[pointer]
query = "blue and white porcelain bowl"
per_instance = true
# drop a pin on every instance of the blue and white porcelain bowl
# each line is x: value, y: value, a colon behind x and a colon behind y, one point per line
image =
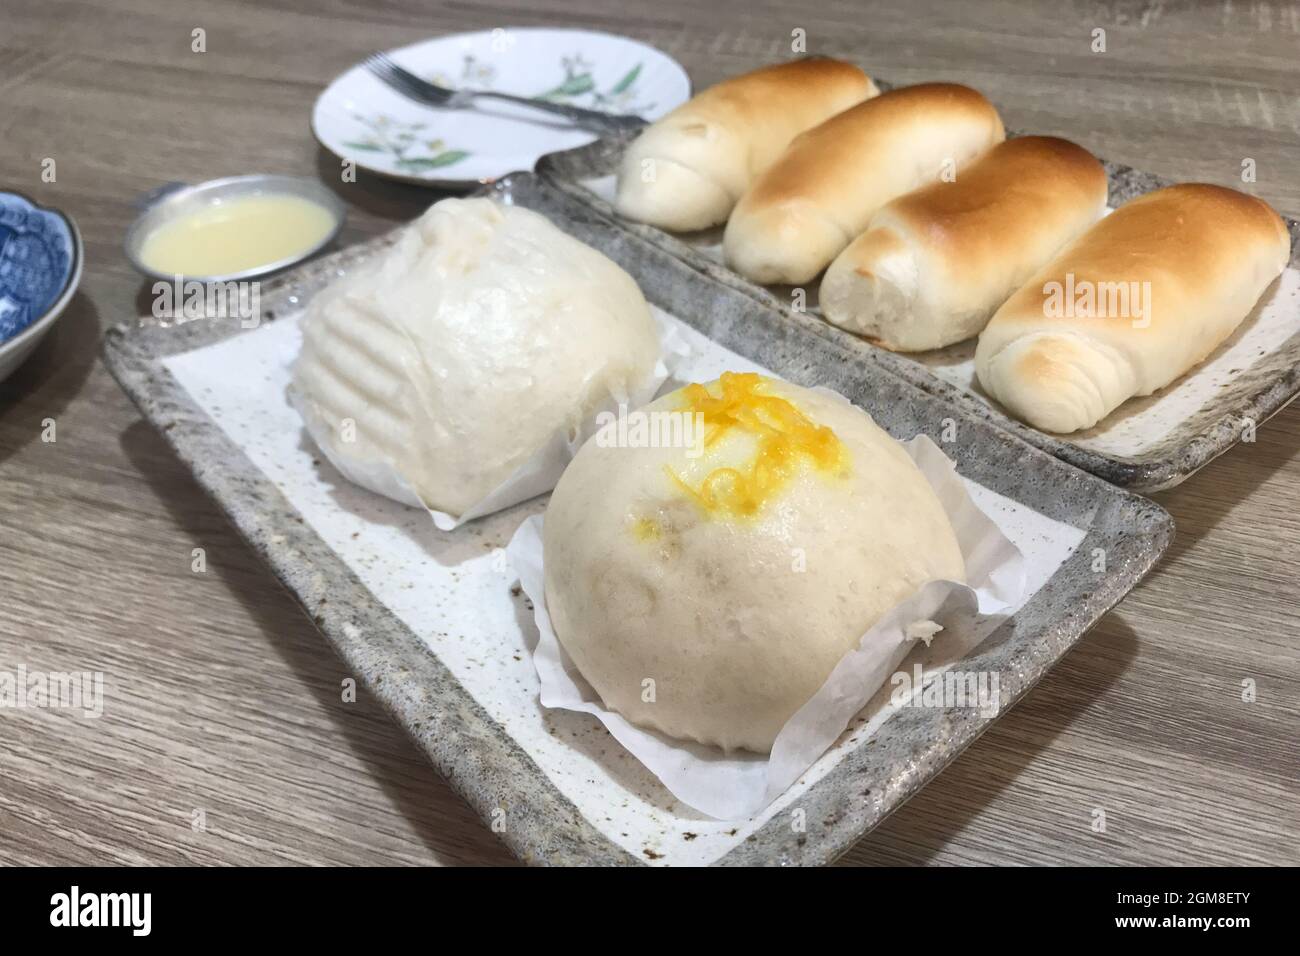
x: 40, y: 266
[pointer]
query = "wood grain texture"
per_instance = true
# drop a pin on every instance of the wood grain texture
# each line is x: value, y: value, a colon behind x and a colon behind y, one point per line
x: 221, y: 697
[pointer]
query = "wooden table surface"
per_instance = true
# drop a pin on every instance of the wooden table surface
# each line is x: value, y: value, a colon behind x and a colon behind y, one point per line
x: 222, y: 698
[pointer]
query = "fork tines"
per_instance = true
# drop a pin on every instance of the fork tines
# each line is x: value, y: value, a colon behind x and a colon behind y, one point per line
x: 403, y: 80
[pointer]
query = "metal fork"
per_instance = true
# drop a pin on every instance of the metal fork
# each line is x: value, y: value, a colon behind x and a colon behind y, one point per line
x: 430, y: 94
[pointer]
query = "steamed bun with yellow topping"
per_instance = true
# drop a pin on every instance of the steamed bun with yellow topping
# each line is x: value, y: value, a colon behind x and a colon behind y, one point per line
x: 734, y: 572
x: 453, y: 357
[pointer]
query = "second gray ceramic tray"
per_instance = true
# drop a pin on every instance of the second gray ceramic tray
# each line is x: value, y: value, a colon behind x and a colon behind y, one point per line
x: 561, y: 790
x: 1146, y: 445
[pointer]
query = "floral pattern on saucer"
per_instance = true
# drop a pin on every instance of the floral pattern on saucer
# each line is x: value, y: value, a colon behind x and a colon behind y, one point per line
x: 366, y: 123
x: 579, y: 88
x: 398, y: 139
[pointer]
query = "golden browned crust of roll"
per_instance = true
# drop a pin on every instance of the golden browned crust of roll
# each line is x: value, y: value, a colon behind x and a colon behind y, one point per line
x: 687, y: 170
x: 1187, y: 239
x: 1193, y: 261
x: 786, y: 94
x: 936, y: 263
x: 823, y: 161
x: 1000, y: 201
x: 824, y: 189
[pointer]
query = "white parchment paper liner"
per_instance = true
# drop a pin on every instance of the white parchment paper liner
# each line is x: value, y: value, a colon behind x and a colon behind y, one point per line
x: 739, y: 784
x: 534, y: 477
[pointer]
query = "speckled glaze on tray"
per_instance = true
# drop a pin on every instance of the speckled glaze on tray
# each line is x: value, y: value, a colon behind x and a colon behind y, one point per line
x: 1251, y: 397
x: 472, y: 750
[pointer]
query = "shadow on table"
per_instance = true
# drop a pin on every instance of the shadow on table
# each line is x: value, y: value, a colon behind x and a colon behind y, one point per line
x: 435, y: 812
x: 1212, y: 493
x: 379, y: 196
x: 923, y: 827
x: 51, y: 377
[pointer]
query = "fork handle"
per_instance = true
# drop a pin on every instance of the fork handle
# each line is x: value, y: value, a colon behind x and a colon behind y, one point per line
x: 593, y: 120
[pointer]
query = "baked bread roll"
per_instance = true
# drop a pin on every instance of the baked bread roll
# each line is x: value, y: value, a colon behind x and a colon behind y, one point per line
x: 935, y: 264
x: 1139, y: 299
x: 454, y: 356
x: 737, y: 579
x: 820, y: 195
x: 687, y: 170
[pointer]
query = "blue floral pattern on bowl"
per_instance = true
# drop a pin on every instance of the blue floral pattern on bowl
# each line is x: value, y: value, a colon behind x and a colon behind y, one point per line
x: 37, y: 258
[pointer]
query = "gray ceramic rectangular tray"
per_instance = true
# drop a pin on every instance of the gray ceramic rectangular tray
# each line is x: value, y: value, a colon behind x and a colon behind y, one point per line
x: 471, y: 749
x: 1220, y: 410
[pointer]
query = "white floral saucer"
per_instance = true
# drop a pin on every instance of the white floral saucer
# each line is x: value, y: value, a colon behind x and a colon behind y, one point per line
x: 360, y: 119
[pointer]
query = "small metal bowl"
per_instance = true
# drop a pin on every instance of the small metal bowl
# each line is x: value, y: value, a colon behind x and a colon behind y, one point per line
x: 175, y: 200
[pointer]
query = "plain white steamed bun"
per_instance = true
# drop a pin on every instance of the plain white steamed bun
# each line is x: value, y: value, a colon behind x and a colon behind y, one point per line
x: 453, y: 356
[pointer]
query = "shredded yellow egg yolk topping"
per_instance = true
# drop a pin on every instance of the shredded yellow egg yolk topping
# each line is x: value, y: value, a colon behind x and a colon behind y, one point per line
x: 786, y: 438
x: 646, y: 529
